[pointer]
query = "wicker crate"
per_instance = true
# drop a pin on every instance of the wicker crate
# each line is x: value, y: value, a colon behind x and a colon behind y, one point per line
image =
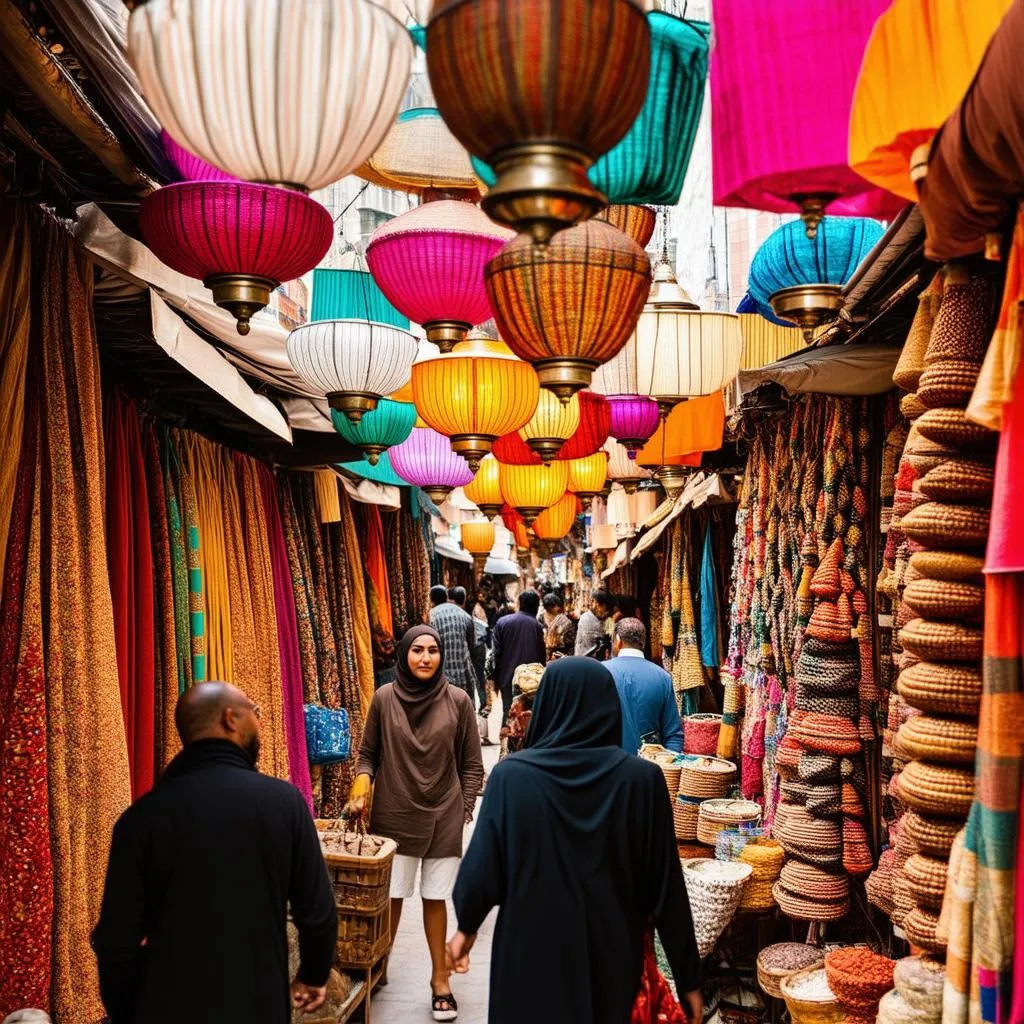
x: 361, y: 884
x: 363, y: 938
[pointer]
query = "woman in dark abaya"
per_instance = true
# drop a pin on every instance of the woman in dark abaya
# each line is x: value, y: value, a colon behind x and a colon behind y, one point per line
x: 575, y: 844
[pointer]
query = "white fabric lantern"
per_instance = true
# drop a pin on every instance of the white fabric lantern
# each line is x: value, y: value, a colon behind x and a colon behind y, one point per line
x: 352, y: 362
x: 415, y: 11
x: 289, y: 92
x: 621, y: 468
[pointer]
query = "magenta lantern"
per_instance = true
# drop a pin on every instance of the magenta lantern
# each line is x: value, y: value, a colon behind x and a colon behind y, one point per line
x: 426, y: 460
x: 241, y: 240
x: 782, y: 81
x: 189, y: 166
x: 634, y: 420
x: 430, y: 263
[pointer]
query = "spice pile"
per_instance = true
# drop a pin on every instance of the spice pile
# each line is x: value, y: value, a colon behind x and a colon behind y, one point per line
x: 859, y: 978
x: 353, y: 844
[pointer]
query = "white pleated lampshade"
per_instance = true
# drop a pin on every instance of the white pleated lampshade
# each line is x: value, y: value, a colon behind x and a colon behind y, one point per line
x: 621, y: 468
x: 416, y: 11
x: 288, y: 92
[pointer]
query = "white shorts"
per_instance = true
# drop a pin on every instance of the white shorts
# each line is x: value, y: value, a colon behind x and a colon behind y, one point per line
x: 437, y: 878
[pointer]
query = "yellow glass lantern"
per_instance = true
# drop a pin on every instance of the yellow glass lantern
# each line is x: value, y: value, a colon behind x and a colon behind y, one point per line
x: 587, y: 476
x: 531, y: 489
x: 555, y: 522
x: 485, y: 490
x: 474, y: 394
x: 551, y: 425
x: 478, y: 539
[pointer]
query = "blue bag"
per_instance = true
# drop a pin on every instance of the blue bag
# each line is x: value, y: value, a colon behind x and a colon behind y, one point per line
x: 328, y: 737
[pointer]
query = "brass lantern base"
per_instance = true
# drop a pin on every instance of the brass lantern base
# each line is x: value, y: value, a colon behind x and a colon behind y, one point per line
x: 812, y: 209
x: 542, y: 187
x: 630, y: 486
x: 479, y: 563
x: 545, y: 548
x: 446, y: 334
x: 353, y: 403
x: 808, y: 306
x: 665, y: 406
x: 587, y: 498
x: 564, y: 377
x: 437, y: 494
x: 672, y: 479
x: 472, y: 447
x: 546, y: 447
x: 242, y: 295
x: 490, y: 510
x: 530, y: 512
x: 373, y: 452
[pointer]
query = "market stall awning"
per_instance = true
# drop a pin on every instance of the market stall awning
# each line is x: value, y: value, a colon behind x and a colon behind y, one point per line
x: 844, y: 370
x: 500, y: 567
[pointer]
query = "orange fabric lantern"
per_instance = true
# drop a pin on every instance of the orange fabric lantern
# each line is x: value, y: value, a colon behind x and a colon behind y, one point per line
x: 551, y: 425
x: 636, y: 221
x: 485, y: 489
x: 474, y: 394
x: 477, y: 537
x: 531, y: 489
x: 514, y: 524
x: 587, y: 476
x: 555, y: 522
x: 692, y: 428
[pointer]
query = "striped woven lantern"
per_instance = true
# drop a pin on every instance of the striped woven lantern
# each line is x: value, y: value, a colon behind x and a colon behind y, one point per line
x: 507, y: 75
x: 589, y: 437
x: 766, y: 342
x: 484, y: 490
x: 555, y: 522
x: 531, y: 489
x: 623, y: 469
x: 389, y: 424
x: 425, y: 459
x: 571, y: 305
x: 636, y: 221
x: 551, y: 425
x: 478, y: 539
x: 588, y: 476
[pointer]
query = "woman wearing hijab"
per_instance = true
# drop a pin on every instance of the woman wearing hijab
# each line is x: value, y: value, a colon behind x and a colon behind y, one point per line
x: 575, y: 844
x: 421, y: 753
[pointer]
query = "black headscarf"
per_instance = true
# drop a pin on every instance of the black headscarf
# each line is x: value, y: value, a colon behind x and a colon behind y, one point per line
x: 418, y: 696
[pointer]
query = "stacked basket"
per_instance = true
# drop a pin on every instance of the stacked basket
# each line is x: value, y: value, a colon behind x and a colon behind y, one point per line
x: 700, y: 733
x: 859, y: 978
x: 916, y: 997
x: 778, y: 962
x: 943, y: 607
x: 716, y: 815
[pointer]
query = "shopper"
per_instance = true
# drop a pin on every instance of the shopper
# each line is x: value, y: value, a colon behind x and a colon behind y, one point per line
x: 592, y: 638
x: 649, y: 710
x: 202, y: 871
x: 518, y: 640
x: 420, y: 753
x: 560, y: 630
x: 458, y: 637
x: 575, y: 844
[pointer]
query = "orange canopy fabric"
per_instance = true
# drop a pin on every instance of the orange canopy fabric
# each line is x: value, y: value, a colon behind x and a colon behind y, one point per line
x: 919, y: 61
x: 692, y: 428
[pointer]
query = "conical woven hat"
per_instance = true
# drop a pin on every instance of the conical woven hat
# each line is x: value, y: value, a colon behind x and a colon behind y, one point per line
x: 911, y: 363
x: 963, y: 325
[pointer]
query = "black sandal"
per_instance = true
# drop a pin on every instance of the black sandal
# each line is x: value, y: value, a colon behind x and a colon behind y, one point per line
x: 444, y: 1007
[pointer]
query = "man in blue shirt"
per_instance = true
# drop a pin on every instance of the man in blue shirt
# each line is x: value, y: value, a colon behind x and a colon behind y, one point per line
x: 649, y: 711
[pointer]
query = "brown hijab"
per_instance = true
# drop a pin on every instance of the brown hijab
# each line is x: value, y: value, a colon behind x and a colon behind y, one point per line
x: 415, y: 695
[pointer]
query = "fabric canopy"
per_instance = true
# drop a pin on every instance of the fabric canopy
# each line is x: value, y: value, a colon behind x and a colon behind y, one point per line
x: 848, y: 370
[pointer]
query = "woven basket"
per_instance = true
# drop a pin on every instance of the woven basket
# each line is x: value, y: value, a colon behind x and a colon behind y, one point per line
x: 932, y: 836
x: 960, y: 482
x: 937, y: 790
x: 706, y: 778
x: 765, y: 857
x: 801, y: 908
x: 961, y: 327
x: 911, y: 406
x: 684, y: 816
x: 816, y: 840
x: 947, y: 527
x: 839, y: 706
x: 951, y: 428
x: 715, y: 889
x: 942, y: 641
x: 794, y: 791
x: 894, y: 1009
x: 806, y: 1011
x: 948, y: 565
x: 919, y: 980
x: 941, y: 689
x: 361, y: 884
x: 919, y: 926
x: 827, y: 734
x: 831, y: 622
x: 831, y: 674
x: 819, y: 768
x: 947, y: 741
x: 777, y: 962
x: 700, y: 733
x: 825, y: 801
x: 948, y: 382
x: 945, y: 599
x: 718, y: 814
x: 858, y: 977
x: 665, y: 760
x: 812, y: 882
x: 926, y: 879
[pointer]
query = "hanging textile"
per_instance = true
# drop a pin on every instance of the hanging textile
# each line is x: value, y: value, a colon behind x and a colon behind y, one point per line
x: 376, y: 566
x: 687, y: 671
x: 180, y: 576
x: 708, y: 604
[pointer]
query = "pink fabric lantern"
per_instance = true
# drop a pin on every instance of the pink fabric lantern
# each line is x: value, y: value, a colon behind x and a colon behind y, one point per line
x: 189, y: 166
x: 241, y: 240
x: 426, y: 459
x: 783, y: 74
x: 430, y: 263
x: 634, y: 420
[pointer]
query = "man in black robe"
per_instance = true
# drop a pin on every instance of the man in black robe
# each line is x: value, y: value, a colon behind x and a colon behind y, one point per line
x: 201, y: 875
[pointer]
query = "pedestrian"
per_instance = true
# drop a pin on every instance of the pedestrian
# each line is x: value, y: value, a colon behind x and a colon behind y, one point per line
x: 560, y: 630
x: 649, y: 710
x: 592, y: 639
x: 458, y: 637
x: 575, y: 844
x: 420, y: 754
x: 518, y: 640
x: 203, y: 870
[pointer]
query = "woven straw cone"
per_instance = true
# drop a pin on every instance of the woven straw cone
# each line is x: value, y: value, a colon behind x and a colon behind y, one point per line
x: 941, y: 689
x: 920, y: 980
x: 937, y: 790
x: 948, y: 382
x: 911, y: 406
x: 911, y: 362
x: 942, y: 641
x: 947, y: 527
x: 944, y: 740
x: 948, y: 565
x: 819, y: 767
x: 857, y: 859
x: 803, y: 909
x: 919, y: 926
x: 715, y: 889
x: 959, y: 481
x: 684, y: 815
x: 894, y: 1009
x: 961, y: 328
x: 945, y: 599
x: 807, y: 880
x: 926, y: 879
x: 951, y: 428
x: 851, y: 802
x: 774, y: 963
x: 831, y: 621
x: 932, y: 836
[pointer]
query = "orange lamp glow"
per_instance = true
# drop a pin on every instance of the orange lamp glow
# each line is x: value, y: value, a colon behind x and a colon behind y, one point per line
x: 485, y: 489
x: 587, y: 476
x: 551, y: 425
x: 555, y: 522
x: 531, y: 489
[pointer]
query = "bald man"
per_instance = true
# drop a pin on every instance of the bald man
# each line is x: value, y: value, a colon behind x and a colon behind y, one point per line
x: 203, y: 872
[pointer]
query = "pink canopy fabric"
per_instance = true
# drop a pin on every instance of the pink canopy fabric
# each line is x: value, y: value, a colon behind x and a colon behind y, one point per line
x: 782, y: 79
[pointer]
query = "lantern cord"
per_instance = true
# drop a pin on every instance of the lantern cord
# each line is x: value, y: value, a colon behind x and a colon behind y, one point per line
x: 364, y: 187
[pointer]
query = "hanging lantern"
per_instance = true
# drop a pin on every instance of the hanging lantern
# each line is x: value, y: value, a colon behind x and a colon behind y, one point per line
x: 782, y: 117
x: 274, y: 92
x: 766, y: 342
x: 381, y: 428
x: 802, y: 278
x: 351, y: 295
x: 587, y: 476
x: 691, y: 429
x: 555, y: 522
x: 622, y: 468
x: 381, y: 473
x: 516, y: 526
x: 484, y: 490
x: 917, y: 66
x: 590, y: 435
x: 188, y: 165
x: 531, y: 489
x: 508, y: 77
x: 352, y: 362
x: 672, y: 479
x: 569, y: 306
x: 551, y: 425
x: 478, y: 539
x: 629, y: 510
x: 426, y: 459
x: 474, y: 394
x: 240, y: 240
x: 430, y: 263
x: 748, y: 304
x: 634, y: 420
x: 636, y: 221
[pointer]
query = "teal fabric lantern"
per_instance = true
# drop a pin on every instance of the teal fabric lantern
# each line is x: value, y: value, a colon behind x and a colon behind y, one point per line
x: 352, y: 295
x: 649, y: 165
x: 381, y: 473
x: 389, y: 424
